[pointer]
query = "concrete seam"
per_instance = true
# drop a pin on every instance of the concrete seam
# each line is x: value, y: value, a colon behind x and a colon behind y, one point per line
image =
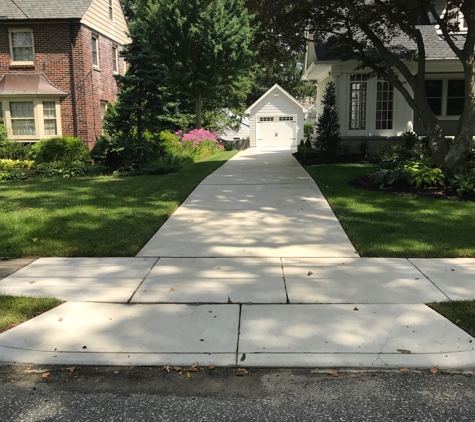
x: 438, y: 288
x: 140, y: 285
x: 238, y: 334
x: 285, y: 283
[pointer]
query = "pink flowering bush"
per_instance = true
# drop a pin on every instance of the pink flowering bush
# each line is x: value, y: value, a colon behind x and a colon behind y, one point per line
x: 196, y: 144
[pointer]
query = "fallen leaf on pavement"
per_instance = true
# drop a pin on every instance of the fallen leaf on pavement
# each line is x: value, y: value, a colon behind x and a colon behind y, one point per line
x: 404, y: 351
x: 212, y: 367
x: 362, y: 379
x: 356, y: 308
x: 309, y: 273
x: 241, y: 372
x: 188, y: 375
x: 116, y: 372
x: 167, y: 368
x: 334, y: 374
x: 229, y: 300
x: 458, y: 322
x: 435, y: 369
x: 72, y: 368
x: 45, y: 375
x: 32, y: 281
x: 60, y: 319
x: 177, y: 368
x: 404, y: 370
x: 171, y: 289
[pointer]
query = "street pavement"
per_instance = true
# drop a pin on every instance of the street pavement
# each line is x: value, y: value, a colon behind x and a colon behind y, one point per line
x: 253, y: 269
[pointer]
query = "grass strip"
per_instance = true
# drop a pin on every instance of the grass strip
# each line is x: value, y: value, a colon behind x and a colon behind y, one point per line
x: 93, y: 216
x: 381, y: 224
x: 17, y: 309
x: 460, y: 312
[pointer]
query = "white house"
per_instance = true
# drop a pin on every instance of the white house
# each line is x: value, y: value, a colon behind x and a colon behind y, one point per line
x: 370, y: 109
x: 276, y: 120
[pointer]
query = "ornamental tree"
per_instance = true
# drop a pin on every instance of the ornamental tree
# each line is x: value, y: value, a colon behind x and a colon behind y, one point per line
x: 328, y: 135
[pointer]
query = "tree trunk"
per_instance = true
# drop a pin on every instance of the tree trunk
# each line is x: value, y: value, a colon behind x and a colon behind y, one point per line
x: 456, y: 159
x: 438, y: 145
x: 198, y: 104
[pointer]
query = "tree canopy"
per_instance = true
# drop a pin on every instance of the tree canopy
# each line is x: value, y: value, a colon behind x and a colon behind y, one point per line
x: 205, y: 46
x: 366, y: 31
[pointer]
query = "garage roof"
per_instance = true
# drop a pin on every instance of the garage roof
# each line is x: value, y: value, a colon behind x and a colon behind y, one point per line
x: 277, y: 86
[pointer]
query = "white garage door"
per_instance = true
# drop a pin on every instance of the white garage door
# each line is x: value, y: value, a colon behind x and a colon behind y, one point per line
x: 276, y: 131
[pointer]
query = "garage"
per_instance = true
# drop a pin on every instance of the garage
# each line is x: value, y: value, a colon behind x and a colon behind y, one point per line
x: 276, y: 120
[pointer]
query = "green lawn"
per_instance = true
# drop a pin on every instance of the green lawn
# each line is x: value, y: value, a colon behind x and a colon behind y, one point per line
x: 15, y: 310
x: 387, y: 225
x: 92, y: 216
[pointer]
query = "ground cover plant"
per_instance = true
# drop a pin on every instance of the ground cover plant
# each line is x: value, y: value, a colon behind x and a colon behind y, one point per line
x: 17, y: 309
x: 388, y: 225
x: 93, y: 216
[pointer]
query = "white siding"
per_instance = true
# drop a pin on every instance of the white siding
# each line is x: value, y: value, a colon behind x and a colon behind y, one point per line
x: 97, y: 17
x: 252, y: 135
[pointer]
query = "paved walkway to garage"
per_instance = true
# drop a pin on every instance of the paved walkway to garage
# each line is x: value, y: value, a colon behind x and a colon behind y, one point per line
x: 253, y: 269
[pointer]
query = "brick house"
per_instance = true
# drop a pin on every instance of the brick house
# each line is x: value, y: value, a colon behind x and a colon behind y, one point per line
x: 57, y: 66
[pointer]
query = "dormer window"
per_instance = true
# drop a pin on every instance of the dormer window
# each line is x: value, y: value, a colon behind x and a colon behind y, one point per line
x: 21, y: 46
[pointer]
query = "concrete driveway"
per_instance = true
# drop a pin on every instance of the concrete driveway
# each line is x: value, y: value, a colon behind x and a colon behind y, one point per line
x: 253, y: 269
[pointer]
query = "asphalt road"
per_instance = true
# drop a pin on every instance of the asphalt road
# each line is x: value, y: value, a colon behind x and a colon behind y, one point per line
x: 153, y: 394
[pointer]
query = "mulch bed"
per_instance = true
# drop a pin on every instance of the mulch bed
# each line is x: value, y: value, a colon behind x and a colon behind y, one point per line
x: 365, y: 182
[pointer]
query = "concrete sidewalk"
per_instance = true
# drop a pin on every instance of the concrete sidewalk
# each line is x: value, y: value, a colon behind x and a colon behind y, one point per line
x: 253, y: 269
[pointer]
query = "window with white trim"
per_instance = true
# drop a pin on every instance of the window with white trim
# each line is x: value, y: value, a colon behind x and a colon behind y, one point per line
x: 114, y: 59
x: 266, y: 119
x: 358, y: 90
x: 21, y: 46
x: 384, y: 105
x: 49, y: 115
x: 446, y: 97
x: 455, y: 97
x: 111, y: 10
x: 286, y: 119
x: 32, y: 118
x: 95, y: 51
x: 22, y: 118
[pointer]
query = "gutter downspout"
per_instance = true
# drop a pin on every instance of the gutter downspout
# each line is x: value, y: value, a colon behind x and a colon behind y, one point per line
x: 73, y: 84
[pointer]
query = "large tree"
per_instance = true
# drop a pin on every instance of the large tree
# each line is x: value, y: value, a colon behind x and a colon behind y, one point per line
x: 288, y: 74
x: 205, y: 46
x: 367, y: 31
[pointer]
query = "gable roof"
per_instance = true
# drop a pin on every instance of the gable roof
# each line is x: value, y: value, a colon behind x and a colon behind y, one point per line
x: 436, y: 47
x: 43, y: 9
x: 277, y: 86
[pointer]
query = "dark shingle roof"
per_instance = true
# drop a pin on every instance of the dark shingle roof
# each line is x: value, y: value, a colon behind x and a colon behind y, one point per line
x: 436, y: 47
x: 43, y: 9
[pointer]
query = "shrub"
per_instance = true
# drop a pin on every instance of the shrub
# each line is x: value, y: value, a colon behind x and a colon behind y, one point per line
x: 384, y: 177
x: 421, y: 174
x: 196, y: 144
x: 13, y: 174
x: 13, y: 150
x: 7, y: 164
x: 307, y: 130
x: 463, y: 183
x: 58, y: 169
x: 64, y: 149
x: 117, y: 150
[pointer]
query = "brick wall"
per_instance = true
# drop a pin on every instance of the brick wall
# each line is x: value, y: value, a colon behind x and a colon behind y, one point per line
x: 54, y: 57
